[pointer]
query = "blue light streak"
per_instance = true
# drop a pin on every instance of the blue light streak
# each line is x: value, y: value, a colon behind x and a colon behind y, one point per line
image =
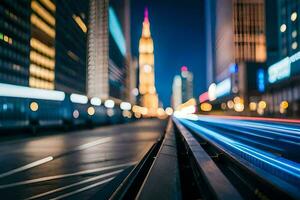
x: 116, y: 31
x: 283, y: 168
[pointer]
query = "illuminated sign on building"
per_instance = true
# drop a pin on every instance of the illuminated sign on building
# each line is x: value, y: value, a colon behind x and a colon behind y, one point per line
x: 283, y: 68
x: 280, y: 70
x: 219, y: 90
x: 116, y: 31
x: 260, y: 80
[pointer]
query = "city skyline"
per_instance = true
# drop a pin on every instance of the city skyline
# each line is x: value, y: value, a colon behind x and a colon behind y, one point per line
x: 150, y: 99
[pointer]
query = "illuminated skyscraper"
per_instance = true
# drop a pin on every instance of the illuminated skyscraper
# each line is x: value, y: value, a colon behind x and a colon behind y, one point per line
x: 182, y: 89
x: 236, y: 46
x: 71, y: 45
x: 176, y: 92
x: 108, y: 54
x: 42, y: 43
x: 236, y: 33
x: 187, y: 84
x: 97, y: 77
x: 14, y: 42
x: 149, y: 98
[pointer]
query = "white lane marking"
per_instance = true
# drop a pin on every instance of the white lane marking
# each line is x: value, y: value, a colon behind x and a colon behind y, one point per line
x: 75, y: 184
x: 94, y: 143
x: 49, y: 158
x: 83, y: 189
x: 49, y: 178
x: 28, y: 166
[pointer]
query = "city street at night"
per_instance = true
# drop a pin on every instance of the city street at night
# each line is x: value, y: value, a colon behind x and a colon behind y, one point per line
x: 150, y: 99
x: 76, y: 163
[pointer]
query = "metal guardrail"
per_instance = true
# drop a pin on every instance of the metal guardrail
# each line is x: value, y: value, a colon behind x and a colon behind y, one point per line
x: 205, y: 170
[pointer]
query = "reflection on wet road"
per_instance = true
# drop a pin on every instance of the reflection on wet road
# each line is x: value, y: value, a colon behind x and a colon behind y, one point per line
x: 72, y: 165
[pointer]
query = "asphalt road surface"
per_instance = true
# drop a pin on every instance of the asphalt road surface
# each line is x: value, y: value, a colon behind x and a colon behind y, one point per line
x: 73, y: 165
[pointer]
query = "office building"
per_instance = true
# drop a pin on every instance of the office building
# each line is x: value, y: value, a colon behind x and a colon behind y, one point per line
x: 282, y: 97
x: 107, y: 51
x: 187, y: 84
x: 182, y: 88
x: 288, y: 27
x: 43, y: 43
x: 176, y: 92
x: 71, y: 45
x: 15, y: 34
x: 147, y: 90
x: 236, y: 46
x: 237, y: 34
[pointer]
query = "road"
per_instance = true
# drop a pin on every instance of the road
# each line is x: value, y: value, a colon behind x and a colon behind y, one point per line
x: 268, y: 144
x: 73, y: 165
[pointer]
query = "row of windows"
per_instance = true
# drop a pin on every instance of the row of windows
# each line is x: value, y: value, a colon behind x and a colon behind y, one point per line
x: 13, y: 79
x: 19, y: 22
x: 42, y: 48
x: 21, y: 7
x: 12, y: 67
x: 39, y: 83
x: 10, y: 54
x: 14, y: 44
x: 41, y: 60
x: 274, y: 100
x: 11, y: 29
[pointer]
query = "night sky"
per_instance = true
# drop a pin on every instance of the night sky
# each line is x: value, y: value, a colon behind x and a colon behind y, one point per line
x: 177, y: 28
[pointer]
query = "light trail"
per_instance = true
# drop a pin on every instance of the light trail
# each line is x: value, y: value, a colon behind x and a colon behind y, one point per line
x: 272, y: 129
x: 297, y: 121
x: 285, y: 169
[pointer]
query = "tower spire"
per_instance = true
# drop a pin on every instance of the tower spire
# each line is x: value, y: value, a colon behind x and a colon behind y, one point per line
x: 146, y: 14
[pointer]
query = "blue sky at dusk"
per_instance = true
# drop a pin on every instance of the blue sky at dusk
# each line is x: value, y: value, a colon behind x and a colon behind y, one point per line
x: 177, y: 28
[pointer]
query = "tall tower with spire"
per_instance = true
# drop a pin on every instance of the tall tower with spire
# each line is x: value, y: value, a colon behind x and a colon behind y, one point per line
x: 149, y: 98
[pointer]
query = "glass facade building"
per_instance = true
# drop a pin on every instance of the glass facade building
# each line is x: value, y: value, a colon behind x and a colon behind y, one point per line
x: 15, y: 36
x: 282, y: 96
x: 71, y: 45
x: 43, y: 44
x: 108, y: 60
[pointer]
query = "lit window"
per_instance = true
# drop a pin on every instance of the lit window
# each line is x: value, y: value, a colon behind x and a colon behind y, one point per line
x: 80, y: 23
x: 43, y: 13
x: 294, y: 34
x: 283, y: 28
x: 35, y: 20
x: 294, y: 45
x: 38, y: 45
x: 294, y: 16
x: 5, y: 38
x: 49, y: 5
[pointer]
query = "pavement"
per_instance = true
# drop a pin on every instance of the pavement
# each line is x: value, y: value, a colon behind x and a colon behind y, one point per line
x: 73, y: 165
